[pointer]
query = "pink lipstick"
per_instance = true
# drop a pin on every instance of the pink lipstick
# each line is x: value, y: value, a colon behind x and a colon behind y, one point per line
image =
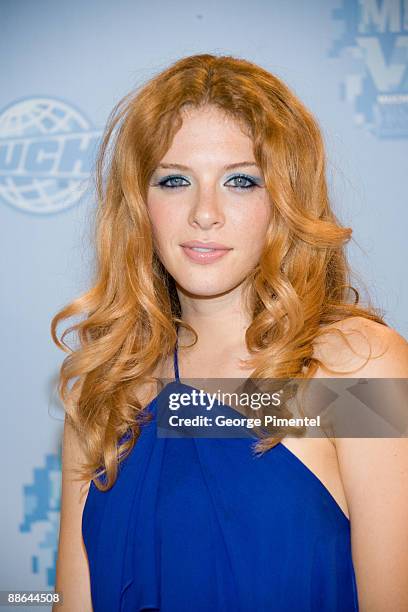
x: 204, y: 252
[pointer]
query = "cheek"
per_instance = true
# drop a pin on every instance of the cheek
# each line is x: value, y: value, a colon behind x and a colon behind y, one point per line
x: 252, y: 223
x: 161, y: 218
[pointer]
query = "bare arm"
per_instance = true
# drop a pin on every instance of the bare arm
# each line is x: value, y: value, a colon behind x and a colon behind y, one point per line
x: 72, y: 572
x: 375, y: 473
x: 375, y: 478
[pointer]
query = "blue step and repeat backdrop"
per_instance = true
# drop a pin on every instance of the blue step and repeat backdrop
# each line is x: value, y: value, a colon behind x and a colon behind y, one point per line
x: 64, y: 66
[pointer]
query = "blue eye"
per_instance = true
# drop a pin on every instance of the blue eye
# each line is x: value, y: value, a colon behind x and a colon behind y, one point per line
x: 164, y: 182
x: 243, y: 178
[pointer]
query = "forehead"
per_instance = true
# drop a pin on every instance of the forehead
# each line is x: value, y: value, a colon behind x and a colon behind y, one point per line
x: 211, y: 131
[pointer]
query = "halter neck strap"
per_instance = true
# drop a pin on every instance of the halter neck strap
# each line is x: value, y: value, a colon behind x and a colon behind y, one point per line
x: 176, y: 368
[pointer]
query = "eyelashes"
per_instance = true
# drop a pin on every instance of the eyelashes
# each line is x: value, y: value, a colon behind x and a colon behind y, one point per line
x: 164, y: 182
x: 174, y: 182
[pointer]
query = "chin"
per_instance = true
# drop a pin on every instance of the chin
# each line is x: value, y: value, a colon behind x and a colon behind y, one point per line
x: 206, y: 287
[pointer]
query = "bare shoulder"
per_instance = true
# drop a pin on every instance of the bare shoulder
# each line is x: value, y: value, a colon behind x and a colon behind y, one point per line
x: 363, y: 345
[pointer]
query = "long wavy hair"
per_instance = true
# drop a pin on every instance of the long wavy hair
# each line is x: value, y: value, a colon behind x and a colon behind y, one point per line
x: 131, y: 311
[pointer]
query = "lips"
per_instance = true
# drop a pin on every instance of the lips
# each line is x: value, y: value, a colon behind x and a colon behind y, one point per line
x: 213, y: 251
x: 206, y: 245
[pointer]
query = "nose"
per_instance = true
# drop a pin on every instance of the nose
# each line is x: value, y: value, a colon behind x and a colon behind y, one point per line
x: 207, y: 210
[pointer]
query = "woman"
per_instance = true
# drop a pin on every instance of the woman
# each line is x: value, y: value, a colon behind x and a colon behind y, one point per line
x: 216, y: 152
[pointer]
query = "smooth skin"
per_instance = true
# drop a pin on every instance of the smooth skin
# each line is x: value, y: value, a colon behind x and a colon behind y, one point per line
x: 206, y: 200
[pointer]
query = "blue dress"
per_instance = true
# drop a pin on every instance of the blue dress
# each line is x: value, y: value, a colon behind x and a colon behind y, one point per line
x: 204, y: 525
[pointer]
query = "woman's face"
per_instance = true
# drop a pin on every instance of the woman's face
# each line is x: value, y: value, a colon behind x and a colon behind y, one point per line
x: 208, y: 188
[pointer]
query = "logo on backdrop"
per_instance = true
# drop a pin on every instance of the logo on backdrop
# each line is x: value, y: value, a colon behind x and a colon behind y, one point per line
x: 41, y: 517
x: 374, y: 44
x: 47, y: 148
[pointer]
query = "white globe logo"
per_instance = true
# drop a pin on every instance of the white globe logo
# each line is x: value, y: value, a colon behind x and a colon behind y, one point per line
x: 46, y: 150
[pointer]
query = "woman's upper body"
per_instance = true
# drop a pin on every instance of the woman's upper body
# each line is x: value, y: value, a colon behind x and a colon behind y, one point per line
x: 353, y: 471
x: 201, y: 519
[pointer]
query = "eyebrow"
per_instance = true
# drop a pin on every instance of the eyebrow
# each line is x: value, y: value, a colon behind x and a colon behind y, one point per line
x: 228, y: 167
